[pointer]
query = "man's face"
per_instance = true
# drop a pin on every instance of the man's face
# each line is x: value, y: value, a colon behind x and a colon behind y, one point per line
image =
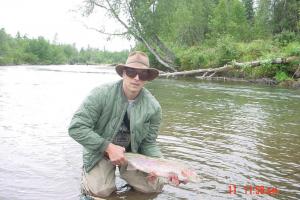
x: 131, y: 80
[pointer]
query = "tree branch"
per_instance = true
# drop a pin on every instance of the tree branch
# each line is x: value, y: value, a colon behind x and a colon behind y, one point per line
x: 118, y: 18
x: 157, y: 56
x: 106, y: 33
x: 99, y: 5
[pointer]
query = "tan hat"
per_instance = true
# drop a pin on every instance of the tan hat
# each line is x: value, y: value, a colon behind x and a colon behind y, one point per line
x: 138, y: 60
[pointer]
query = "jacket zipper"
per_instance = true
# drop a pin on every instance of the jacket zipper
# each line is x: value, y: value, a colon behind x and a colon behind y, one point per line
x: 120, y: 121
x: 131, y: 131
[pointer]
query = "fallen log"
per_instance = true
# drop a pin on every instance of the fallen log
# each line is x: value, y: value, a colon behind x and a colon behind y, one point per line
x: 210, y: 72
x: 197, y: 72
x: 261, y: 62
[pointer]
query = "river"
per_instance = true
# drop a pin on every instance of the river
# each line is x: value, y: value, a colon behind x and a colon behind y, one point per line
x: 242, y: 137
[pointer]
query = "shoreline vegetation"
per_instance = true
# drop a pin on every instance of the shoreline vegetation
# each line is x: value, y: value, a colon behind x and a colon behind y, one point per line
x: 281, y: 71
x: 199, y: 34
x: 237, y: 72
x: 233, y: 39
x: 20, y: 50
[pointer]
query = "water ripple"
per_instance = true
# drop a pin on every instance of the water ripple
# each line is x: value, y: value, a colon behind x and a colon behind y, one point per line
x: 231, y: 134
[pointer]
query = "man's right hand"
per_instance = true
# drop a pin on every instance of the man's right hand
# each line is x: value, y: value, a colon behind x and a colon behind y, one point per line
x: 116, y: 154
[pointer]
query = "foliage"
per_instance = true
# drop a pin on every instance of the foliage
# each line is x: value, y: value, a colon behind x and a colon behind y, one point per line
x: 285, y: 15
x: 266, y: 70
x: 193, y: 34
x: 257, y: 49
x: 262, y: 22
x: 22, y: 50
x: 229, y: 18
x: 279, y: 72
x: 226, y: 50
x: 248, y: 4
x: 192, y: 58
x: 181, y: 35
x: 282, y: 76
x: 292, y: 49
x: 285, y: 37
x: 186, y: 23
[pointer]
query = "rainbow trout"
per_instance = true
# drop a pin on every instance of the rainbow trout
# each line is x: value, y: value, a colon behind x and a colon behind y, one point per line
x: 162, y: 167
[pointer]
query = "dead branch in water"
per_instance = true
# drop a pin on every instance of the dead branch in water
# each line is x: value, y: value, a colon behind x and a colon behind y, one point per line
x: 210, y: 72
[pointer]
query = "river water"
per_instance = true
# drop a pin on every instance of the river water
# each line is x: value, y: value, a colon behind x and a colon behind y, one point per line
x: 236, y: 136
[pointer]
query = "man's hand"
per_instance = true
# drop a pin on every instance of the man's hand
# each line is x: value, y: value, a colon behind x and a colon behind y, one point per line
x: 116, y: 154
x: 173, y: 179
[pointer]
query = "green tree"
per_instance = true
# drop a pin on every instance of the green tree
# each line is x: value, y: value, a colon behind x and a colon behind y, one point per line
x: 263, y: 18
x: 186, y: 21
x: 71, y: 53
x: 5, y: 57
x: 57, y: 55
x: 41, y: 48
x: 138, y: 20
x: 248, y: 4
x: 20, y: 50
x: 229, y: 17
x: 285, y: 15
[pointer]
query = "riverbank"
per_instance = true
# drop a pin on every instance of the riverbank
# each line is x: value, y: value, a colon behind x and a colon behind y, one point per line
x: 295, y: 84
x: 291, y: 84
x: 281, y: 71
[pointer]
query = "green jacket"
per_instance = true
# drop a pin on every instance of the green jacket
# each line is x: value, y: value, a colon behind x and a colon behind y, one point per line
x: 99, y: 117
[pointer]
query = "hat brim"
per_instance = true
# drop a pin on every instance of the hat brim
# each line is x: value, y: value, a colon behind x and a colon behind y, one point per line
x: 153, y: 73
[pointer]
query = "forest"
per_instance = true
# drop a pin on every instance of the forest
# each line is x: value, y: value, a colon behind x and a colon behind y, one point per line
x: 199, y: 34
x: 23, y: 50
x: 185, y: 35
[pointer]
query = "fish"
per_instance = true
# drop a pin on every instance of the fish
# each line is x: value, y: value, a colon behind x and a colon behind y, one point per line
x: 161, y: 167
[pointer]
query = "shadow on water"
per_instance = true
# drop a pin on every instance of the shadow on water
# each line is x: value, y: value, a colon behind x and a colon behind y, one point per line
x: 232, y: 134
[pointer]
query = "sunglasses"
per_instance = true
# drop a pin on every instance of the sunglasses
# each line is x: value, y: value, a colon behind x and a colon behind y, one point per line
x: 143, y: 74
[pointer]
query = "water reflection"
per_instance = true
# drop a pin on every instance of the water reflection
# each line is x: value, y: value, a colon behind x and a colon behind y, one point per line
x: 231, y: 134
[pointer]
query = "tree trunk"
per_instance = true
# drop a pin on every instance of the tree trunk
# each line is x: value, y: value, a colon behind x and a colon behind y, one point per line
x: 169, y: 55
x: 157, y: 56
x: 205, y: 72
x: 134, y: 29
x: 260, y: 62
x: 210, y: 72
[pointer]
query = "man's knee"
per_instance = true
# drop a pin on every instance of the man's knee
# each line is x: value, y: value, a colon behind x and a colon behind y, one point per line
x: 98, y: 189
x: 103, y: 191
x: 100, y: 181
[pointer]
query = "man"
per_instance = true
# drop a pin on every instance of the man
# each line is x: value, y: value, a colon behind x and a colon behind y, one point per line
x: 117, y: 118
